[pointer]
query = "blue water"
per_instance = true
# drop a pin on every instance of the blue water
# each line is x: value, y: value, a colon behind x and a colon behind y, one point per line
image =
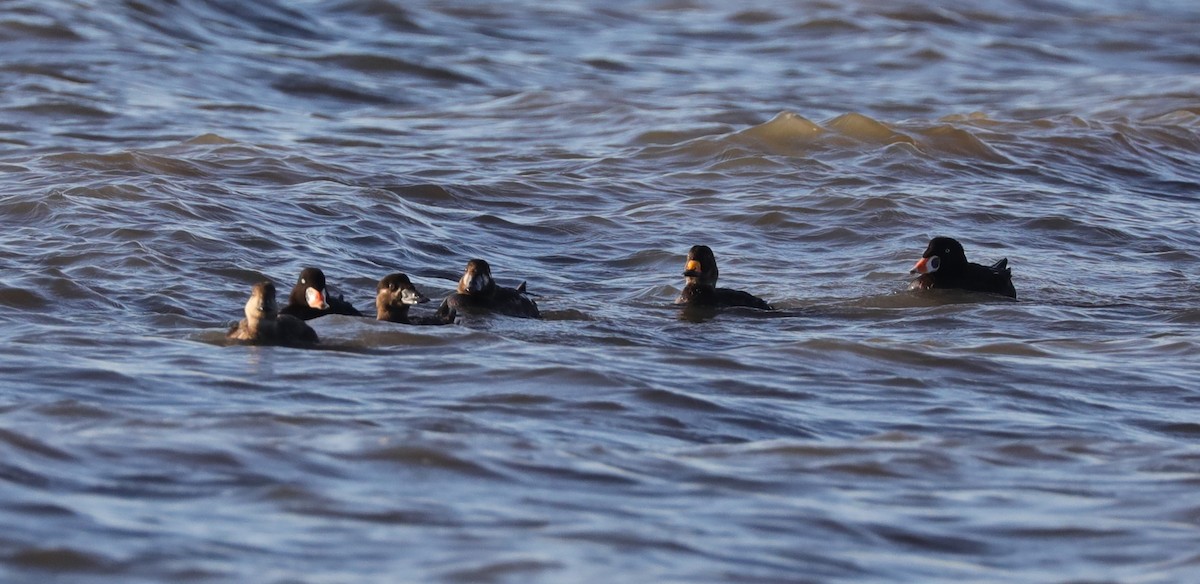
x: 157, y: 159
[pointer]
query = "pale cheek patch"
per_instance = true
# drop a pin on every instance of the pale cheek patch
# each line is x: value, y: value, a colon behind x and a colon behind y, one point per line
x: 478, y: 284
x: 412, y: 297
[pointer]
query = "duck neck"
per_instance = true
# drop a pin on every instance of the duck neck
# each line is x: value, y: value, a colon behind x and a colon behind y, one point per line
x: 260, y: 324
x: 390, y: 313
x: 696, y: 293
x: 252, y: 326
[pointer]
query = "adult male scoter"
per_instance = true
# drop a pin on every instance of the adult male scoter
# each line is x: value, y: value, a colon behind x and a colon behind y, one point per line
x: 700, y: 284
x: 944, y: 265
x: 309, y: 298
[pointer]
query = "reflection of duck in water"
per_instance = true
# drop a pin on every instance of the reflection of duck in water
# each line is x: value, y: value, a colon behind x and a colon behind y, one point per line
x: 944, y: 265
x: 700, y: 284
x: 263, y: 325
x: 393, y: 297
x: 477, y: 292
x: 309, y: 299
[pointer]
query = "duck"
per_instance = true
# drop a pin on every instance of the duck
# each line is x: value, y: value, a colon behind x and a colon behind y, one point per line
x: 309, y: 298
x: 395, y: 294
x: 264, y: 325
x: 700, y: 284
x: 944, y: 265
x: 478, y: 292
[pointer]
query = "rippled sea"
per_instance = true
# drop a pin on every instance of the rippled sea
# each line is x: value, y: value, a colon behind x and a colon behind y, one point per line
x: 158, y: 158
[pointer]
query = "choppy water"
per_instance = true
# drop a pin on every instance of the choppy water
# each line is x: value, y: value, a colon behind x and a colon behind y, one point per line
x: 156, y: 159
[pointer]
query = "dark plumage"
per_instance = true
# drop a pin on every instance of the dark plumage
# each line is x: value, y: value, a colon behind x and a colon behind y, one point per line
x: 944, y: 265
x: 309, y: 298
x: 263, y: 325
x: 700, y: 284
x: 478, y: 292
x: 393, y: 297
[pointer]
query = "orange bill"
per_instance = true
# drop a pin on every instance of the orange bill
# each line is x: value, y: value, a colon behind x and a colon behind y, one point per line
x: 315, y: 299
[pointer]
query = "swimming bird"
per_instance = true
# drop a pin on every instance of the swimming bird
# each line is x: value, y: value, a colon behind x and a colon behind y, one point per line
x: 264, y: 325
x: 309, y: 298
x: 395, y: 294
x: 700, y: 284
x: 944, y: 265
x: 478, y: 292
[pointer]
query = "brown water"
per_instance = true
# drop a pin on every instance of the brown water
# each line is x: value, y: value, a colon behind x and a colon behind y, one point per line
x: 156, y: 159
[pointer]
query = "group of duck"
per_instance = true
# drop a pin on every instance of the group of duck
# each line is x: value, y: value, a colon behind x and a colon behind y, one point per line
x: 944, y: 265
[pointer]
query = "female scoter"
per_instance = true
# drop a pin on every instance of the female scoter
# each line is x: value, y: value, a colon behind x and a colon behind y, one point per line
x: 700, y: 284
x: 393, y: 297
x: 944, y: 265
x: 264, y: 325
x: 477, y: 292
x: 310, y: 300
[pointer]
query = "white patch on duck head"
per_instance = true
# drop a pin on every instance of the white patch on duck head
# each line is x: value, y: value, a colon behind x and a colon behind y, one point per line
x: 927, y: 265
x: 475, y: 283
x: 411, y: 296
x: 261, y: 304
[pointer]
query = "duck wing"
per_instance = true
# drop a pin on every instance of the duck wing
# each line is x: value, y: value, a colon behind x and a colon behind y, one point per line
x: 1001, y: 267
x: 996, y: 278
x: 729, y: 297
x: 338, y: 305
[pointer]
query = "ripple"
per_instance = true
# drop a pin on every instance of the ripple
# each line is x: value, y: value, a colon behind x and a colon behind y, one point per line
x: 932, y: 541
x: 20, y: 299
x: 167, y: 155
x: 677, y: 400
x: 426, y: 457
x: 61, y: 559
x: 383, y: 64
x: 503, y: 569
x: 306, y: 86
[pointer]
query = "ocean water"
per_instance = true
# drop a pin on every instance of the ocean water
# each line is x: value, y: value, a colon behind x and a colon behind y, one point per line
x: 158, y: 158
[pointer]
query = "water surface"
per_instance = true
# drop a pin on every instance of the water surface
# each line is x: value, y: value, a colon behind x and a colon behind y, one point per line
x: 157, y: 159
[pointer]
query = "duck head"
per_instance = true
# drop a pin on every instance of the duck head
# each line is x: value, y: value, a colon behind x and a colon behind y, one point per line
x: 477, y: 279
x: 396, y: 291
x: 310, y: 289
x: 701, y: 266
x: 942, y: 253
x: 261, y: 305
